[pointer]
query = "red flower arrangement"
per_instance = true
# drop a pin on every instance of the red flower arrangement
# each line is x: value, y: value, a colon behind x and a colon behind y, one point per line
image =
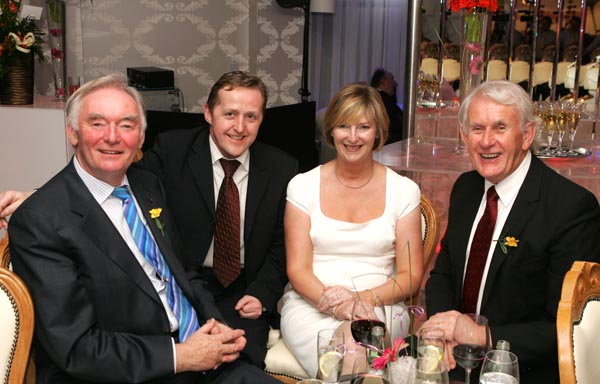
x: 456, y: 5
x: 19, y: 37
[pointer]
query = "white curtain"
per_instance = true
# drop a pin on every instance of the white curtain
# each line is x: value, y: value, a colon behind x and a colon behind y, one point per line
x: 348, y: 45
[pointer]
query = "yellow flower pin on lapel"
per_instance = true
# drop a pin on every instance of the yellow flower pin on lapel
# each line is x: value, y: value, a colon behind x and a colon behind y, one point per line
x: 155, y: 214
x: 508, y: 241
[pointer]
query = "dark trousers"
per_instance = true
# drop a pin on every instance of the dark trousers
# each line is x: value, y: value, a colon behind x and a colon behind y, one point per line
x: 257, y: 331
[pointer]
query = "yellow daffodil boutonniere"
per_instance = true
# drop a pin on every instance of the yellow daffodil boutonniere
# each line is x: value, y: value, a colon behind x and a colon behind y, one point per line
x: 507, y: 241
x: 155, y: 214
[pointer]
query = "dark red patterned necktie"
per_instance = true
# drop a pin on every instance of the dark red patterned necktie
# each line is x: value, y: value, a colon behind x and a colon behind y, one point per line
x: 226, y: 258
x: 480, y: 247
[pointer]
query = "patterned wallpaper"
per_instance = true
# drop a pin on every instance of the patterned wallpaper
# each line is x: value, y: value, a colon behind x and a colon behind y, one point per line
x: 198, y: 39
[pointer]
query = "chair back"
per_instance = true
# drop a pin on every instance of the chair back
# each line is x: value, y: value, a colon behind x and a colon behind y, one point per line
x: 429, y: 229
x: 430, y: 234
x: 496, y: 70
x: 542, y: 72
x: 570, y: 75
x: 450, y: 70
x: 5, y: 253
x: 16, y: 327
x: 577, y: 322
x: 519, y: 71
x: 429, y: 66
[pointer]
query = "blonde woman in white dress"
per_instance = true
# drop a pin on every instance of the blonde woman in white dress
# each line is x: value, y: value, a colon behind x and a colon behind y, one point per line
x: 348, y: 217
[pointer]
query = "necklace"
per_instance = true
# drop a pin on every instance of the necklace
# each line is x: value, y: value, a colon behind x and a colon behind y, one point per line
x: 350, y: 186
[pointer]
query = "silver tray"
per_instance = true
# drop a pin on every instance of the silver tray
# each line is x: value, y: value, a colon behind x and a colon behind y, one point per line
x: 429, y: 104
x: 572, y: 154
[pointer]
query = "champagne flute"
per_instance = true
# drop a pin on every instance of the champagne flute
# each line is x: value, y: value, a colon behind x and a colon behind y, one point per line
x: 539, y: 108
x: 500, y: 367
x: 472, y: 338
x: 550, y: 125
x: 562, y: 121
x: 575, y: 112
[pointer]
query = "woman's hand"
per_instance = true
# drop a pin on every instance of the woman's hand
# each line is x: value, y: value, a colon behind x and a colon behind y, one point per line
x: 333, y: 297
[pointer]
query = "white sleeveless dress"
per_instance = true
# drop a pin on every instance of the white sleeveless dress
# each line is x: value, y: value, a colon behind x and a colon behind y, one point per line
x: 342, y: 250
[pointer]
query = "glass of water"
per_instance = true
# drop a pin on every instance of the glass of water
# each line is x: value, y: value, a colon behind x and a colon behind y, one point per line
x: 330, y: 353
x: 500, y: 367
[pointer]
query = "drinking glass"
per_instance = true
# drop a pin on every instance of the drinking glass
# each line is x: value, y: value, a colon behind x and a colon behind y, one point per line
x: 575, y: 111
x: 550, y: 115
x: 472, y: 337
x: 539, y: 108
x: 361, y: 374
x: 330, y: 353
x: 74, y: 84
x: 368, y: 328
x: 431, y: 344
x: 431, y: 372
x: 366, y: 315
x: 500, y: 367
x: 562, y: 121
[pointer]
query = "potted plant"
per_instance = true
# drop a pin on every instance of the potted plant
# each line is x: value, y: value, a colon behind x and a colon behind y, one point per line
x: 20, y: 41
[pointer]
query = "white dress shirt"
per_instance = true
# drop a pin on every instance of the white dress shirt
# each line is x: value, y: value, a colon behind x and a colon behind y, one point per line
x: 507, y: 191
x: 240, y: 177
x: 113, y: 207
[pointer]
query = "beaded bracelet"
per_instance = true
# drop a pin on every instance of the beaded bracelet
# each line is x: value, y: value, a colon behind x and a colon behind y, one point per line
x: 375, y: 297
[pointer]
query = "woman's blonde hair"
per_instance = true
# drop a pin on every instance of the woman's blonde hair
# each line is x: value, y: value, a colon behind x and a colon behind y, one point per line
x: 352, y: 103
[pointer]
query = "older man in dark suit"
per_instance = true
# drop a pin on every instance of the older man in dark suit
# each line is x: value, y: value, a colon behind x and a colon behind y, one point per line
x: 189, y: 165
x: 538, y: 223
x: 95, y: 245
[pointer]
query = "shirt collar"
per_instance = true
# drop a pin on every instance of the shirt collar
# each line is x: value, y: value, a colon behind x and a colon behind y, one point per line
x: 216, y: 155
x: 99, y: 189
x: 508, y: 188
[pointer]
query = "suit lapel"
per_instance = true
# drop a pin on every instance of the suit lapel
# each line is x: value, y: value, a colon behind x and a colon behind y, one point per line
x: 101, y: 231
x: 523, y: 208
x: 258, y: 180
x: 149, y: 198
x: 200, y: 163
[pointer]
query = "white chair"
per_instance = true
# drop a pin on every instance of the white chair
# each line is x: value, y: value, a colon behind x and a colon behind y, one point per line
x: 450, y: 70
x: 561, y: 72
x: 570, y: 75
x: 519, y: 71
x: 16, y: 327
x: 577, y: 324
x: 542, y: 72
x: 280, y: 362
x: 496, y: 70
x: 5, y: 254
x: 429, y: 66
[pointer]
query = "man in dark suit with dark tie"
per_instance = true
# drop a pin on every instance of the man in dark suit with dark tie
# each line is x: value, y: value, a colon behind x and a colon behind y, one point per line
x: 188, y: 162
x: 112, y: 301
x: 541, y: 224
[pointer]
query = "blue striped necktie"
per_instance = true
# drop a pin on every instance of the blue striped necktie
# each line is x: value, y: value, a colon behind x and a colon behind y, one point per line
x: 181, y: 307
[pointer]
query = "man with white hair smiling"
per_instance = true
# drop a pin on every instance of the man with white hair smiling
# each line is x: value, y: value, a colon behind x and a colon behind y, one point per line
x: 515, y: 227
